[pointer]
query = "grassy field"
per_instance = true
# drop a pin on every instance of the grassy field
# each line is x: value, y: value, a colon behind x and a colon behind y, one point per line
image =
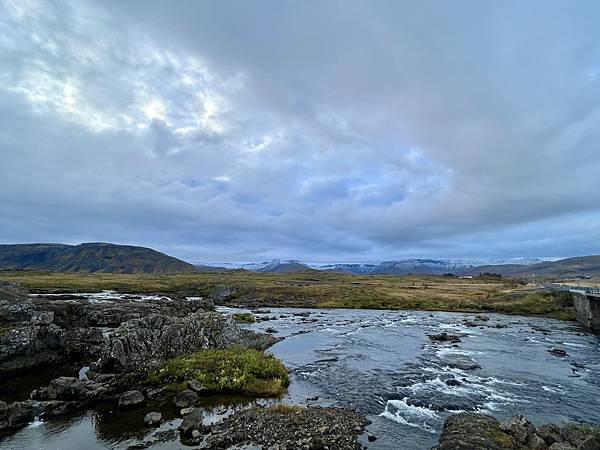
x: 318, y: 289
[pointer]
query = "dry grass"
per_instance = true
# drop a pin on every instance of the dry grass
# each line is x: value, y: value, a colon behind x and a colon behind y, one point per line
x: 319, y: 289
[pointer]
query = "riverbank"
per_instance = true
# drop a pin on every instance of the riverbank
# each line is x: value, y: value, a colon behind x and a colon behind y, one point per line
x: 318, y: 290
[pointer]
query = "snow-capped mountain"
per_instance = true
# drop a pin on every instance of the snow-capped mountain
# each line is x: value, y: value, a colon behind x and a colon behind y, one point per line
x: 397, y: 267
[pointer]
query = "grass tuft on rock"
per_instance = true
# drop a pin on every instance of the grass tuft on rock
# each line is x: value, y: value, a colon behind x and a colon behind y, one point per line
x: 244, y: 317
x: 242, y: 370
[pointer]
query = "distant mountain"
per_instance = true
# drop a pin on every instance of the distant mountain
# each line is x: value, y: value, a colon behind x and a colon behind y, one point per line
x: 278, y: 266
x: 564, y: 268
x: 350, y: 267
x: 90, y: 257
x: 417, y: 267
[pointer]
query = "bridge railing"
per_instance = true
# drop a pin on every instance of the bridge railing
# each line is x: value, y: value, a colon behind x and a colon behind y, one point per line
x: 571, y: 287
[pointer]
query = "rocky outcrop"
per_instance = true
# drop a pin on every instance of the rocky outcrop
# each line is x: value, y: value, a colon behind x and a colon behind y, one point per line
x: 290, y: 426
x: 14, y: 303
x: 468, y: 431
x: 28, y: 346
x: 142, y: 345
x: 51, y: 329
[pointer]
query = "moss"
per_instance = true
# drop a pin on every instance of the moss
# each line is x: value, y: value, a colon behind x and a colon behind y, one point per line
x: 244, y: 317
x: 242, y: 370
x: 584, y: 429
x: 503, y: 440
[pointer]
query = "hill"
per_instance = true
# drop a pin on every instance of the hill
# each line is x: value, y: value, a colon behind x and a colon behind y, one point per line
x: 278, y: 266
x: 90, y: 257
x: 563, y: 268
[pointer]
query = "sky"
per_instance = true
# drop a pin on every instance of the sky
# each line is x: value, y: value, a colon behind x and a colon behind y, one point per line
x: 354, y: 131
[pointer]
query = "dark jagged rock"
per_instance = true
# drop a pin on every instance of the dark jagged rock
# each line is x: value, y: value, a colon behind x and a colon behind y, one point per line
x: 142, y: 345
x: 559, y: 352
x: 294, y: 427
x: 29, y: 346
x: 14, y: 303
x: 444, y: 337
x: 468, y: 431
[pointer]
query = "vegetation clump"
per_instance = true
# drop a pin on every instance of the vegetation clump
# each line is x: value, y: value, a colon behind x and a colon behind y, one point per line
x: 244, y: 317
x: 242, y: 370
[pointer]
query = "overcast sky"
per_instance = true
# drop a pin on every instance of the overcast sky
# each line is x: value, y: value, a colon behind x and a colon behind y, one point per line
x: 317, y: 130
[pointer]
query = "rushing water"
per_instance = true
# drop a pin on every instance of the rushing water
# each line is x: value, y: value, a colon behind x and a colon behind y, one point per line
x: 383, y: 364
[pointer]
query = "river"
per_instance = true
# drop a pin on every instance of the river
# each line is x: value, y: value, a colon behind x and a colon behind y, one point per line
x: 383, y: 364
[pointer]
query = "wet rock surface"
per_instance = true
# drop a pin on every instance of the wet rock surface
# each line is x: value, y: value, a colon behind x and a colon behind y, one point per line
x: 470, y: 431
x: 290, y: 427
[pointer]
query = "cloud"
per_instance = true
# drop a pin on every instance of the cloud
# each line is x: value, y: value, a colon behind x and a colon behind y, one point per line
x: 337, y: 131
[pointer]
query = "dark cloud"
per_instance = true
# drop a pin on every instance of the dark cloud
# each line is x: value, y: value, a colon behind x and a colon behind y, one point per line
x: 339, y: 130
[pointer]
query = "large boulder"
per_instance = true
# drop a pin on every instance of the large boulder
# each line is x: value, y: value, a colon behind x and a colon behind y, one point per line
x: 469, y: 431
x: 131, y: 399
x: 143, y: 345
x: 66, y: 388
x: 191, y: 422
x: 185, y: 399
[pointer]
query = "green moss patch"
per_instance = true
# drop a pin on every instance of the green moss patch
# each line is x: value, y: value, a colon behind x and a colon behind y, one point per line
x: 244, y: 317
x: 241, y: 370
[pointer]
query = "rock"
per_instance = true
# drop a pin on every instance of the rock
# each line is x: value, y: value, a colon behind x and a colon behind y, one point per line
x: 477, y: 431
x: 519, y: 427
x: 469, y: 431
x: 462, y: 362
x: 152, y: 418
x: 21, y: 413
x: 142, y: 345
x: 25, y: 347
x: 591, y: 443
x: 453, y: 382
x: 444, y: 337
x: 66, y: 388
x: 42, y: 317
x: 559, y: 352
x: 196, y: 386
x: 3, y: 415
x: 371, y: 437
x: 191, y: 422
x: 550, y: 433
x: 534, y: 442
x: 56, y: 408
x: 196, y: 434
x: 185, y: 411
x: 482, y: 318
x: 130, y: 399
x: 271, y: 330
x: 185, y: 399
x: 561, y: 446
